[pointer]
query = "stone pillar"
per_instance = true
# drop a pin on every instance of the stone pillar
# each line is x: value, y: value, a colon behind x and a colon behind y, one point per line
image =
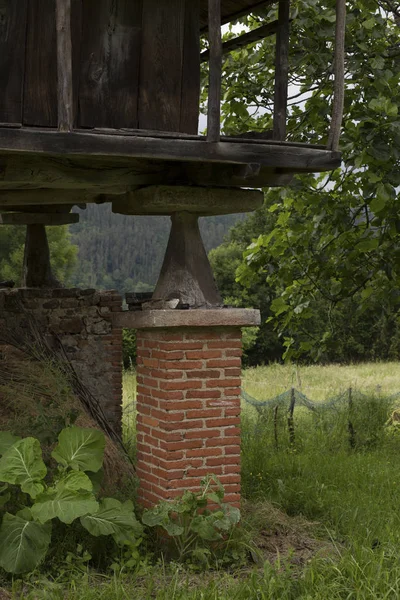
x: 188, y: 399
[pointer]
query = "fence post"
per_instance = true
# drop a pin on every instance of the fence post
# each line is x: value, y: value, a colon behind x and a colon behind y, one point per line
x: 351, y: 430
x: 276, y: 425
x: 290, y: 417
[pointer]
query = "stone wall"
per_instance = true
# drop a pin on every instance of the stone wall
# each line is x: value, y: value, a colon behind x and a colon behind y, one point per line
x: 82, y: 320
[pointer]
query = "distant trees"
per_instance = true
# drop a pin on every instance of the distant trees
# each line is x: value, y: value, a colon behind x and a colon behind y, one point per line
x: 12, y: 240
x: 126, y: 252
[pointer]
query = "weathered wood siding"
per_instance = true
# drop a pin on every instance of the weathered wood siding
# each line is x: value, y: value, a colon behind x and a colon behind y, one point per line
x: 136, y: 64
x: 12, y: 59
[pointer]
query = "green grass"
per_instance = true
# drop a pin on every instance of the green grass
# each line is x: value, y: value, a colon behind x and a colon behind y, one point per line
x: 321, y: 382
x: 332, y: 512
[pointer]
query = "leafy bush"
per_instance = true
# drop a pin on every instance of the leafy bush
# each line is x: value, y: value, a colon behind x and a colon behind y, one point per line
x: 197, y: 532
x: 69, y: 495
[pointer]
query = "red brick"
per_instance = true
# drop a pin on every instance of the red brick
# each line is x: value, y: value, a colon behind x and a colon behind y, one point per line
x: 223, y: 363
x: 232, y: 353
x: 202, y: 434
x: 168, y: 355
x: 203, y: 394
x: 229, y: 469
x: 183, y: 445
x: 232, y: 449
x: 229, y: 344
x: 232, y: 393
x: 233, y: 412
x: 171, y: 417
x: 222, y: 441
x: 181, y: 364
x: 161, y: 374
x: 205, y: 471
x: 229, y: 479
x: 203, y: 374
x: 223, y: 422
x: 223, y: 383
x: 167, y: 394
x: 184, y: 405
x: 203, y: 413
x: 173, y: 434
x: 166, y: 475
x: 181, y: 345
x: 204, y: 354
x: 233, y: 372
x: 206, y: 452
x: 182, y: 425
x: 164, y: 455
x: 181, y: 385
x: 178, y: 464
x: 233, y: 335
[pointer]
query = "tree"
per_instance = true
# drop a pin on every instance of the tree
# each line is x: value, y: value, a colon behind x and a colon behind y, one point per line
x: 335, y: 237
x: 62, y: 253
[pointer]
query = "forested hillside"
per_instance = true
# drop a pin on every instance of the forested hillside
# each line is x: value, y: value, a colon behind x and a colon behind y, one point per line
x: 126, y: 252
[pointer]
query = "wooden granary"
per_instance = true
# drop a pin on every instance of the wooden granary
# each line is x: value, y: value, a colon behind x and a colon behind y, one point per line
x: 99, y: 102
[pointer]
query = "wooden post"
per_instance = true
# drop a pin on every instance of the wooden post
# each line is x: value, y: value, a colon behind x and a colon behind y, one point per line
x: 290, y: 417
x: 64, y: 66
x: 214, y: 92
x: 352, y: 433
x: 338, y: 97
x: 276, y: 426
x: 281, y: 70
x: 37, y: 269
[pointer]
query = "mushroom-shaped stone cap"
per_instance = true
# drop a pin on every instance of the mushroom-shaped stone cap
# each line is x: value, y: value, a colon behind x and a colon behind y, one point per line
x: 204, y: 201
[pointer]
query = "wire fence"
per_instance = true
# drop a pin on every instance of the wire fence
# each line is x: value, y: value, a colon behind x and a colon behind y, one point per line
x: 344, y: 413
x: 298, y: 398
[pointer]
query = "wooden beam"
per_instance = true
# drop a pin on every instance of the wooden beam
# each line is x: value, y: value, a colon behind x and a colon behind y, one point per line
x: 275, y: 155
x: 10, y: 198
x: 215, y: 75
x: 64, y: 66
x: 338, y: 96
x: 244, y: 40
x: 255, y: 7
x: 37, y: 269
x: 169, y: 199
x: 38, y: 218
x: 281, y: 70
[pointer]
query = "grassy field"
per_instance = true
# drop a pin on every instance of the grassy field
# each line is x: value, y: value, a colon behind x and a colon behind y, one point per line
x: 321, y: 519
x: 321, y: 382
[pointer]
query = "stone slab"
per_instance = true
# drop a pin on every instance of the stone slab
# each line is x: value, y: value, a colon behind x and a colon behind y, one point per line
x: 223, y: 317
x: 167, y: 199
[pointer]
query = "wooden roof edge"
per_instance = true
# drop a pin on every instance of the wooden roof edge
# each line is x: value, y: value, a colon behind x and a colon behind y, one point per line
x: 241, y: 13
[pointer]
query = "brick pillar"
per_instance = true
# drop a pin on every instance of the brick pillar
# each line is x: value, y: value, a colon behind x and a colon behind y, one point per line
x: 188, y: 404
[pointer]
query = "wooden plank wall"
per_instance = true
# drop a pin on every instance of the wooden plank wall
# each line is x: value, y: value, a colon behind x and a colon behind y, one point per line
x: 136, y: 64
x: 170, y: 66
x: 40, y: 87
x: 109, y: 77
x: 12, y: 59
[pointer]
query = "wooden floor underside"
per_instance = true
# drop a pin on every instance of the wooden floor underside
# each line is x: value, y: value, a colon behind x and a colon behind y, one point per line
x: 47, y: 167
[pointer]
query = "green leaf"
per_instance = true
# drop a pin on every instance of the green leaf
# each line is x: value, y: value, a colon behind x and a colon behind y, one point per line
x: 23, y: 543
x: 81, y: 449
x: 204, y: 527
x: 382, y: 197
x: 7, y: 439
x: 70, y: 499
x: 116, y: 519
x: 157, y: 515
x: 173, y: 529
x: 22, y: 465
